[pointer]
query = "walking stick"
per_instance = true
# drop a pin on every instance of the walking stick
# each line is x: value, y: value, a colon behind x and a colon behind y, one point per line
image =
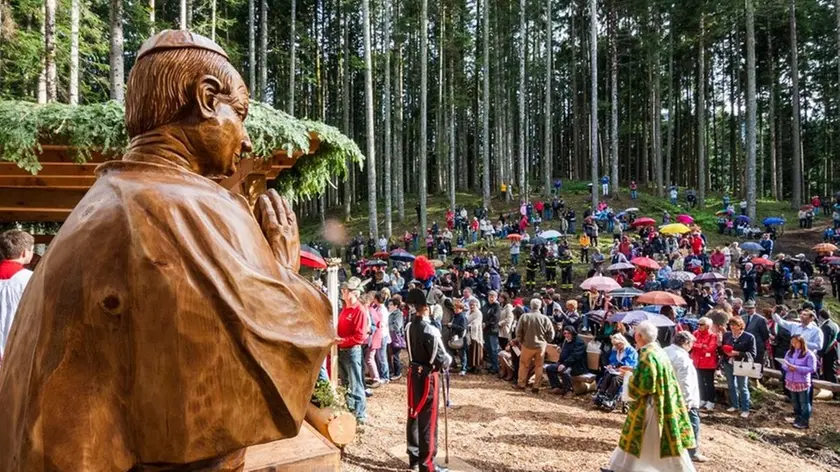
x: 445, y: 386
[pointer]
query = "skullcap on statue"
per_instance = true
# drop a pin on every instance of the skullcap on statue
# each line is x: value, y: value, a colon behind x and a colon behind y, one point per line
x: 167, y: 327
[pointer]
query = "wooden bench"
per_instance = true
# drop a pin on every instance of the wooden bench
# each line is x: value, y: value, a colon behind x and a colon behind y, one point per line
x: 820, y: 384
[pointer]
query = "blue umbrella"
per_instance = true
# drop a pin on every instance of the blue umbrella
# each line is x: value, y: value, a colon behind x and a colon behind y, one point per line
x: 402, y: 255
x: 637, y: 316
x: 751, y: 246
x: 773, y: 220
x: 626, y: 292
x: 742, y: 218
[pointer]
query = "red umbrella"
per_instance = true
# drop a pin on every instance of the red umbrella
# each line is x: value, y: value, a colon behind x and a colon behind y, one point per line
x: 763, y: 261
x: 309, y: 257
x: 514, y: 236
x: 643, y: 221
x: 381, y: 255
x: 645, y: 263
x: 660, y: 298
x: 685, y: 219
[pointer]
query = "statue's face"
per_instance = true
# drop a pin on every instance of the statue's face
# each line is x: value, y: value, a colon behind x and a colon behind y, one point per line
x: 220, y: 138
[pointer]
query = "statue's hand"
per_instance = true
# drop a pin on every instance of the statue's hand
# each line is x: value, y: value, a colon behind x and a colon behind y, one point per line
x: 279, y: 225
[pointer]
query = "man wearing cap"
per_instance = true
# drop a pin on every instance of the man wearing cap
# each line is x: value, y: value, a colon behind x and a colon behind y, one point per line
x: 756, y: 325
x: 353, y: 328
x: 427, y: 357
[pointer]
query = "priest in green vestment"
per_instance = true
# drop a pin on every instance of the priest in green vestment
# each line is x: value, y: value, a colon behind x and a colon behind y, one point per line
x: 657, y: 432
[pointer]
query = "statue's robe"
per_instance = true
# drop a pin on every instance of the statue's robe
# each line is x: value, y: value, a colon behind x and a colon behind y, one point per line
x: 159, y: 328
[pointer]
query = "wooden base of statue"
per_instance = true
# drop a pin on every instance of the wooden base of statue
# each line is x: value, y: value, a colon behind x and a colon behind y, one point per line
x: 308, y: 451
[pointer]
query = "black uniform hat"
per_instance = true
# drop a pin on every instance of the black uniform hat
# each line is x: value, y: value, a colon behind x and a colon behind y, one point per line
x: 416, y: 297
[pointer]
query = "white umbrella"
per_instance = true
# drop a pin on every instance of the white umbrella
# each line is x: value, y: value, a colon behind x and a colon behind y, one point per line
x: 600, y: 283
x: 550, y: 234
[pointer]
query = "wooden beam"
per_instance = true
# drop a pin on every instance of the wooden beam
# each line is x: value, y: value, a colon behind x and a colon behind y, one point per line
x: 70, y: 154
x: 43, y: 238
x: 8, y: 215
x: 50, y: 169
x: 40, y: 197
x: 67, y: 182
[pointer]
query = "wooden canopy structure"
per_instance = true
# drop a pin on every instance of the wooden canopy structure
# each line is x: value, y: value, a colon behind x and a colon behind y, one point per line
x: 51, y: 194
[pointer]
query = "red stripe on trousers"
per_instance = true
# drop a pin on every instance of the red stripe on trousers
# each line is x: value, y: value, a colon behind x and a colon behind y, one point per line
x: 429, y: 462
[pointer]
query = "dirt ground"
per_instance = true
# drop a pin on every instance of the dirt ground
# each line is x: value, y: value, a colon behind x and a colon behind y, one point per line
x: 496, y: 428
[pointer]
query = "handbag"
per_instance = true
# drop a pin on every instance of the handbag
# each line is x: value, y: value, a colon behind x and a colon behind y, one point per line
x: 398, y: 341
x: 752, y: 370
x: 456, y: 342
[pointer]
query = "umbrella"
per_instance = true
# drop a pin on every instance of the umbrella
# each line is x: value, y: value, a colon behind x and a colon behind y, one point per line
x: 806, y: 207
x: 402, y: 255
x: 309, y: 257
x: 824, y: 247
x: 661, y: 298
x: 436, y: 263
x: 514, y: 236
x: 723, y: 212
x: 837, y: 262
x: 538, y: 240
x: 643, y: 221
x: 459, y: 249
x: 645, y: 263
x: 381, y: 254
x: 682, y: 276
x: 601, y: 283
x: 742, y: 219
x: 442, y: 272
x: 773, y: 220
x: 376, y: 263
x: 710, y: 277
x: 625, y: 292
x: 637, y: 316
x: 621, y: 266
x: 685, y: 219
x: 632, y: 210
x: 762, y: 261
x: 550, y: 234
x: 675, y: 228
x: 752, y: 247
x: 596, y: 315
x: 829, y: 260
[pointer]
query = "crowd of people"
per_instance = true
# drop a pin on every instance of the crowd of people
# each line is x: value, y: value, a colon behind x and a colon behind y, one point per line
x: 526, y: 330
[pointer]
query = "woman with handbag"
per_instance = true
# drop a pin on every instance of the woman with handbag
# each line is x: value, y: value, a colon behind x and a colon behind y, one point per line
x: 458, y: 334
x: 705, y: 357
x: 475, y: 336
x: 739, y: 350
x: 800, y: 364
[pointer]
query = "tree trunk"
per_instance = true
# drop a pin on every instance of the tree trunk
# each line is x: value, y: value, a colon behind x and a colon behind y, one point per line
x: 252, y: 51
x: 485, y: 113
x: 796, y: 175
x: 424, y: 80
x: 345, y: 107
x: 263, y: 71
x: 152, y: 17
x: 117, y: 74
x: 292, y: 56
x: 75, y: 13
x: 398, y: 135
x: 182, y: 23
x: 614, y: 98
x: 672, y: 110
x: 701, y: 113
x: 49, y: 49
x: 369, y: 124
x: 451, y: 137
x: 593, y: 99
x: 549, y: 64
x: 386, y: 108
x: 751, y: 111
x: 213, y: 20
x: 523, y: 90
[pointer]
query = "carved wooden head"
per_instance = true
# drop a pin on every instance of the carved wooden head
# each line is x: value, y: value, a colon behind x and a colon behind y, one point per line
x: 183, y: 83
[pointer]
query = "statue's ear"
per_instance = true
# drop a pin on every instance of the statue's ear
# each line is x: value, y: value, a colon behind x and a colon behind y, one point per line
x: 206, y: 94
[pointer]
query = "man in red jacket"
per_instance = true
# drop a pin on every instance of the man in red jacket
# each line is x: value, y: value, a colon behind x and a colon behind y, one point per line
x: 353, y: 329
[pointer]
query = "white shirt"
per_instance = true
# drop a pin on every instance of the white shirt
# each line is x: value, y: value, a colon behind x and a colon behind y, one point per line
x: 686, y: 374
x: 10, y: 292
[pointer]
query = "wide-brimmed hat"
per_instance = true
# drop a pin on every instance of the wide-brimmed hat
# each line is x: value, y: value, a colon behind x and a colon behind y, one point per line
x: 749, y: 304
x: 355, y: 284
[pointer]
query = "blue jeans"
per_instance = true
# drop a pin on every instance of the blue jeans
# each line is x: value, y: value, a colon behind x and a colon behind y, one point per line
x: 610, y: 226
x: 350, y: 369
x: 473, y: 236
x: 463, y: 354
x: 491, y: 345
x: 674, y: 201
x: 571, y: 227
x: 514, y: 259
x: 634, y: 194
x: 739, y: 388
x: 800, y: 288
x: 548, y: 214
x: 801, y: 407
x: 382, y: 362
x: 555, y: 374
x: 694, y: 418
